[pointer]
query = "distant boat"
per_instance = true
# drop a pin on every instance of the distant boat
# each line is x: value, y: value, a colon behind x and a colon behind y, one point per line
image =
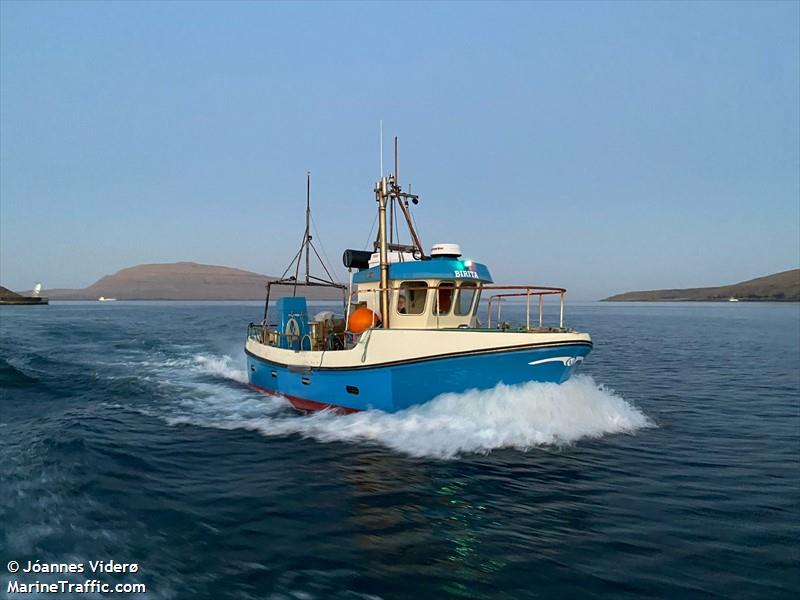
x: 732, y: 299
x: 104, y: 299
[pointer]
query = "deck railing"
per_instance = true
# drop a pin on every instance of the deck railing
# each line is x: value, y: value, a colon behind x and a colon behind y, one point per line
x: 529, y: 292
x: 267, y: 333
x: 511, y: 291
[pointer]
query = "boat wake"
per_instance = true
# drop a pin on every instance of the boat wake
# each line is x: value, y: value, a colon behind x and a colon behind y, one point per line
x: 518, y: 417
x: 220, y: 366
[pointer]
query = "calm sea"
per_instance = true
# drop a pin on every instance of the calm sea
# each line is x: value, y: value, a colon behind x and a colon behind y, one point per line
x: 670, y: 468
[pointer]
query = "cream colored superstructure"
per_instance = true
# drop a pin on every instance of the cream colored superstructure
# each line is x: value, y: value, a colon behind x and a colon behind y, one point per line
x: 379, y: 346
x: 429, y: 317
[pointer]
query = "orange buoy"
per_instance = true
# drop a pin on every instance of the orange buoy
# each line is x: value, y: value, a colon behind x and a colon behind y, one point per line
x: 362, y: 319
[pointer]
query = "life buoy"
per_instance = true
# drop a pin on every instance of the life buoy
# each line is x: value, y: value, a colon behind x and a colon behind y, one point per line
x: 292, y: 331
x: 362, y: 319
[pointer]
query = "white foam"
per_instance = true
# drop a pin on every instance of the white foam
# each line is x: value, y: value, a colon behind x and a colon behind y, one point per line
x: 519, y: 417
x: 220, y: 366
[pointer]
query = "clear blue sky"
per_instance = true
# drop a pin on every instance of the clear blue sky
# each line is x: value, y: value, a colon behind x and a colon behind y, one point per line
x: 603, y: 147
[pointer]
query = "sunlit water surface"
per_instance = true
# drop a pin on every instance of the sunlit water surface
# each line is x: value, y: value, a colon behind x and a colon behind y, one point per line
x: 670, y: 467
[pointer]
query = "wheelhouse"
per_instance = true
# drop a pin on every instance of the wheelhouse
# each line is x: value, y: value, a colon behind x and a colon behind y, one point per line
x: 436, y: 293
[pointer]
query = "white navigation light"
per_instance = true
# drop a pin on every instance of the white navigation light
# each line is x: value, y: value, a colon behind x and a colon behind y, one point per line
x: 449, y: 250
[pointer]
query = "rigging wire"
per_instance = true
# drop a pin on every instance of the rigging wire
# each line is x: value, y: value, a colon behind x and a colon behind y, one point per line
x: 321, y: 245
x: 396, y: 226
x: 291, y: 263
x: 323, y: 265
x: 413, y: 220
x: 369, y: 235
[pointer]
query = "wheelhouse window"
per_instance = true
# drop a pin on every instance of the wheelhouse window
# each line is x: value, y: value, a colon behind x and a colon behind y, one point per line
x: 466, y: 297
x: 411, y: 297
x: 446, y: 292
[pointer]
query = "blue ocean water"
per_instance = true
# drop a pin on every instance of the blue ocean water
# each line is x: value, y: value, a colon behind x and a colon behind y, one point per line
x: 669, y: 468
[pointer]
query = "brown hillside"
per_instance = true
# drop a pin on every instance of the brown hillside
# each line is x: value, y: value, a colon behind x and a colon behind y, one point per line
x: 7, y: 294
x: 182, y: 281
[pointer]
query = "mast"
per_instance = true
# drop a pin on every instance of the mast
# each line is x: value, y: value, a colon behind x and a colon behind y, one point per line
x: 402, y: 199
x: 395, y: 188
x: 381, y: 195
x: 307, y: 246
x: 308, y: 219
x: 388, y: 190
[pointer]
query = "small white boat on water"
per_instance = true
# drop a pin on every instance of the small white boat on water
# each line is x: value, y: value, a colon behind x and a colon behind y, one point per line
x: 733, y: 299
x: 104, y: 299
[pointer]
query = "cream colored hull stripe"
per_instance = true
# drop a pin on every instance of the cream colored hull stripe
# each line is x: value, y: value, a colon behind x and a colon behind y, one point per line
x: 401, y: 346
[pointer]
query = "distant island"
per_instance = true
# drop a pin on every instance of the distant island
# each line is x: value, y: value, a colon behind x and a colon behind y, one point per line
x: 184, y: 281
x: 780, y: 287
x: 193, y: 281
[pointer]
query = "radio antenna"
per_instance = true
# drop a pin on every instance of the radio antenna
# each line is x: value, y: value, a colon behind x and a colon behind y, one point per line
x: 381, y: 143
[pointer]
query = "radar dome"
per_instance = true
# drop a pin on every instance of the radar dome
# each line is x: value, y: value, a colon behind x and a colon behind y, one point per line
x: 446, y: 250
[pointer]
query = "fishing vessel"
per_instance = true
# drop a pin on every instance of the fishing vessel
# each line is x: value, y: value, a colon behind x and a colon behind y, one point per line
x: 410, y: 327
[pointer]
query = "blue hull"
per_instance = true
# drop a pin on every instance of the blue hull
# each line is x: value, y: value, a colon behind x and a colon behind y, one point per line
x: 397, y: 386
